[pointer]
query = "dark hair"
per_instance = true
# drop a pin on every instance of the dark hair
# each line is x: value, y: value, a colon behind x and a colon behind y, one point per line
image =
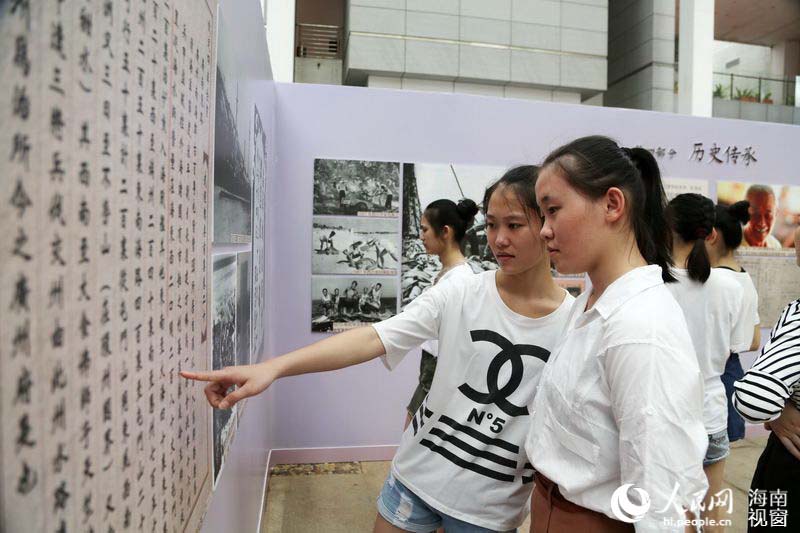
x: 594, y: 164
x: 522, y: 180
x: 692, y: 217
x: 729, y: 222
x: 459, y: 217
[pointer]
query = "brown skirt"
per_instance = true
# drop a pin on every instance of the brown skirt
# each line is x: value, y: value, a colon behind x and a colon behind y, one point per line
x: 552, y: 513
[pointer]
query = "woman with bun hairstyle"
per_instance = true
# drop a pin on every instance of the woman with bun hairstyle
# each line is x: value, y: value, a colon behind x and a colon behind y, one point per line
x: 617, y: 431
x: 461, y: 463
x: 712, y: 305
x: 721, y: 247
x: 443, y: 226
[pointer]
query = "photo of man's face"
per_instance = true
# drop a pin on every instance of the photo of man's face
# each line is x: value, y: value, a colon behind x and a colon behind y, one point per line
x: 762, y: 216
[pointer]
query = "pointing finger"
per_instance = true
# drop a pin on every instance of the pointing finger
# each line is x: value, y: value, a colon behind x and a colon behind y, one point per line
x: 214, y: 375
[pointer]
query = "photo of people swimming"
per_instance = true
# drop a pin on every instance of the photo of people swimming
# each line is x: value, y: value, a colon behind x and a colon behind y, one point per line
x: 354, y: 245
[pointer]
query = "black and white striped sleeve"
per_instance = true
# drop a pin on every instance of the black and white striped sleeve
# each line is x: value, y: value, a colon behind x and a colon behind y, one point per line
x: 761, y: 394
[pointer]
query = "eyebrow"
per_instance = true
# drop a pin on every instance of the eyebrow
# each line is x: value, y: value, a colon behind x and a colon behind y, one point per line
x: 512, y: 216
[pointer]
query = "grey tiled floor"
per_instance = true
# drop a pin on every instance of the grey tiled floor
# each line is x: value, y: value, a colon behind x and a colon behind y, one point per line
x: 340, y: 497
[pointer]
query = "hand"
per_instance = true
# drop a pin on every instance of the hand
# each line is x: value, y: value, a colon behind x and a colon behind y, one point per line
x: 250, y: 380
x: 787, y: 428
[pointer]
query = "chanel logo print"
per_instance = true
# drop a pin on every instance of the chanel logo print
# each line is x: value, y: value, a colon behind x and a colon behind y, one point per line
x: 508, y: 352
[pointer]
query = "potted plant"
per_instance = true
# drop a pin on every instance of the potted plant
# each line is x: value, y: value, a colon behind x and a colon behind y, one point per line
x: 719, y: 91
x: 746, y: 95
x: 767, y: 98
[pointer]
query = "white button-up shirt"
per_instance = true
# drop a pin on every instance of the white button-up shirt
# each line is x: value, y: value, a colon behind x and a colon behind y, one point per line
x: 621, y: 401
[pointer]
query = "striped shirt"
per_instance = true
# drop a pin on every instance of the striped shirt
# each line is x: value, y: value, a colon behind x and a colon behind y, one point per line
x: 775, y: 376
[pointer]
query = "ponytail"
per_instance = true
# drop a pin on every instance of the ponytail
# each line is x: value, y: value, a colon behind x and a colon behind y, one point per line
x: 653, y: 235
x: 693, y: 217
x: 594, y: 164
x: 698, y: 263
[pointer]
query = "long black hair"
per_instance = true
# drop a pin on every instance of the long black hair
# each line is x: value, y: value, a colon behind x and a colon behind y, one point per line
x: 594, y: 164
x: 693, y: 217
x: 729, y: 222
x: 459, y: 216
x: 521, y: 180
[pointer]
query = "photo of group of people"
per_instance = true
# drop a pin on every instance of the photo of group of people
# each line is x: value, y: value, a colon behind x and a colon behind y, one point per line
x: 354, y: 240
x: 360, y: 188
x: 354, y: 245
x: 774, y: 212
x: 344, y: 302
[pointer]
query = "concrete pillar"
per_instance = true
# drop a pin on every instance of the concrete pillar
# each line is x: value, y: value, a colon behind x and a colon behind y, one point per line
x: 280, y: 38
x: 785, y: 59
x: 641, y: 55
x: 696, y: 57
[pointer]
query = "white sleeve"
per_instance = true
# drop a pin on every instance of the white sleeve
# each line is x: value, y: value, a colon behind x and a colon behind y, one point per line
x: 662, y: 440
x: 419, y: 322
x: 750, y: 305
x: 742, y: 331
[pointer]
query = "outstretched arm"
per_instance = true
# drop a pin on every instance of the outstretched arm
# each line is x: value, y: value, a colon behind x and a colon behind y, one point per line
x: 339, y: 351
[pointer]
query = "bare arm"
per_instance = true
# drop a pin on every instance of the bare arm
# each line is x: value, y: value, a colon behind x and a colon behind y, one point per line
x: 339, y: 351
x: 756, y: 338
x: 787, y: 428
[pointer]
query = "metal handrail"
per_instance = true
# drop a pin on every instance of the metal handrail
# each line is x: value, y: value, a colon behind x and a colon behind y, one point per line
x: 318, y: 40
x: 761, y: 93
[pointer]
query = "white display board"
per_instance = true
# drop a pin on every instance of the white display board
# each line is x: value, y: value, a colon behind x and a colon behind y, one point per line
x: 104, y: 277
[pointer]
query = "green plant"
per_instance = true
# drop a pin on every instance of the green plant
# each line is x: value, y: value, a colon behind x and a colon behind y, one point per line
x: 767, y: 99
x: 747, y: 95
x: 719, y: 91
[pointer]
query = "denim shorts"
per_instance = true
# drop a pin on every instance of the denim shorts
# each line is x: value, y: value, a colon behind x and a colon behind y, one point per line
x: 404, y: 509
x: 718, y: 448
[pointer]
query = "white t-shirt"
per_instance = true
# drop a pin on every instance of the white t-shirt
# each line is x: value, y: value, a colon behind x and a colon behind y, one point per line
x: 460, y: 271
x: 621, y: 401
x: 749, y: 304
x: 773, y: 242
x: 463, y: 451
x: 713, y: 312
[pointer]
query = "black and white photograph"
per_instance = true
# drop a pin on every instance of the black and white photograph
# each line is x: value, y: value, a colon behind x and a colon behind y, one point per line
x: 424, y: 183
x: 259, y: 234
x: 232, y: 182
x: 339, y: 303
x: 355, y: 245
x: 244, y: 293
x: 360, y: 188
x: 224, y: 343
